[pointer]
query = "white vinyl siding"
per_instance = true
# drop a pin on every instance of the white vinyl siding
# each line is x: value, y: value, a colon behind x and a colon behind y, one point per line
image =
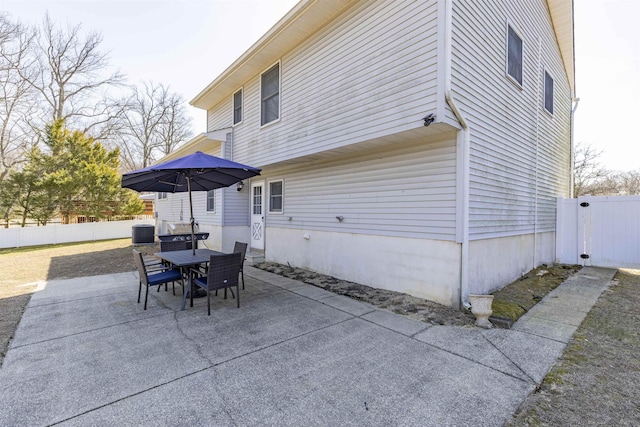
x: 370, y: 73
x: 176, y: 208
x: 508, y: 128
x: 407, y: 191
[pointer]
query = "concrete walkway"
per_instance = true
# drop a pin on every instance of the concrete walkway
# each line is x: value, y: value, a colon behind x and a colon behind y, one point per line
x: 85, y: 353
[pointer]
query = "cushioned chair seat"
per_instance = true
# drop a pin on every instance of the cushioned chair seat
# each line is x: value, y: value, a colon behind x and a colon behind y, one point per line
x: 156, y: 279
x: 165, y: 276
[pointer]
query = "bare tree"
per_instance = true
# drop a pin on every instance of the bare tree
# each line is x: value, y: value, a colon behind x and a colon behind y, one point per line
x: 70, y: 75
x: 155, y: 123
x: 629, y: 183
x: 18, y: 104
x: 588, y: 173
x: 619, y: 183
x: 176, y: 128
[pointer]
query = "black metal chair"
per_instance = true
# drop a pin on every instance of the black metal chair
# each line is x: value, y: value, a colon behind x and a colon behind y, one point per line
x: 242, y: 249
x: 223, y: 273
x: 156, y: 279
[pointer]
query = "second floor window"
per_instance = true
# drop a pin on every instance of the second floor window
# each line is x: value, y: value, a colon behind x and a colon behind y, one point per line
x: 548, y: 92
x: 514, y: 56
x: 237, y: 107
x: 211, y: 200
x: 270, y: 95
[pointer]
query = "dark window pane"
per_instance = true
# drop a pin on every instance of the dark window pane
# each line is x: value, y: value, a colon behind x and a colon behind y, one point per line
x: 211, y: 201
x: 275, y: 196
x: 548, y: 92
x: 237, y: 107
x: 257, y: 200
x: 515, y: 56
x: 270, y: 109
x: 270, y: 90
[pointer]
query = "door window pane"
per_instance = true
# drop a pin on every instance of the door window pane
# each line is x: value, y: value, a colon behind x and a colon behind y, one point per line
x: 257, y: 200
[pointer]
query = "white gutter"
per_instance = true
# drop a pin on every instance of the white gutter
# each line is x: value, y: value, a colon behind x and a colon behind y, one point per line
x: 462, y: 162
x: 538, y: 107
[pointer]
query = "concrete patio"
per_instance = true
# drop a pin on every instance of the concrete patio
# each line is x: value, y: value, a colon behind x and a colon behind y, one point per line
x: 85, y: 353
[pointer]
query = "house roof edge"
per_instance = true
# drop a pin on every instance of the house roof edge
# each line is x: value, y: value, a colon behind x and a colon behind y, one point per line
x: 304, y: 19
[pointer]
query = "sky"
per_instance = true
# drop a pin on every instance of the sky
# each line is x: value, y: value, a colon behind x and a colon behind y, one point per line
x: 187, y: 43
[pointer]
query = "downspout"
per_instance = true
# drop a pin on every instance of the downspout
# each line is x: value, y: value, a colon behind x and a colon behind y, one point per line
x: 535, y: 176
x: 575, y: 102
x: 462, y: 166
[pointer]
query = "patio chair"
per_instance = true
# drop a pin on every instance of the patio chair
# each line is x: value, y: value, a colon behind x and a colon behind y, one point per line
x: 223, y: 273
x: 178, y: 245
x: 175, y: 245
x: 152, y: 263
x: 242, y: 249
x: 165, y: 276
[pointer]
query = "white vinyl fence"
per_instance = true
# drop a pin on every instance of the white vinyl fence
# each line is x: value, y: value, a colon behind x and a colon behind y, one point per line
x: 52, y: 234
x: 602, y: 231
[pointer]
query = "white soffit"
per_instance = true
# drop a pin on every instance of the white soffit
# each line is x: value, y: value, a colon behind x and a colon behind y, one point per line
x: 562, y: 19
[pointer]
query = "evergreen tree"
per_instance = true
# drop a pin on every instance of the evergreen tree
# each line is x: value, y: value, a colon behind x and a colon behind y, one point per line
x: 72, y: 175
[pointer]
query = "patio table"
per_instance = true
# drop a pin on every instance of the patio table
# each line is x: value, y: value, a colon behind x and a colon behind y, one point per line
x: 186, y: 258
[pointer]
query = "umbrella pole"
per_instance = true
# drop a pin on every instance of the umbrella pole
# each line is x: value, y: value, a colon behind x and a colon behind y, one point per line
x: 193, y: 243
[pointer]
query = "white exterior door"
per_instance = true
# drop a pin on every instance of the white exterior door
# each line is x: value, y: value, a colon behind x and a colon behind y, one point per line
x: 257, y: 215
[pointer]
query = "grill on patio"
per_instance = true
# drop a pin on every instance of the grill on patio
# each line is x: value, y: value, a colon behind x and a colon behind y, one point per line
x: 181, y: 232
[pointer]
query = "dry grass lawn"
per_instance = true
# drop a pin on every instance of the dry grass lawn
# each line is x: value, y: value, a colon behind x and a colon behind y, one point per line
x: 23, y: 268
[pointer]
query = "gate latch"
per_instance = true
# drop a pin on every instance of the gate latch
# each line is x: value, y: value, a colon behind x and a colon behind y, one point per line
x: 584, y: 204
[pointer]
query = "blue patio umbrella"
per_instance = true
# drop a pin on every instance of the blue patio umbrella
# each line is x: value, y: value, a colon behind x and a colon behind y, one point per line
x: 194, y: 172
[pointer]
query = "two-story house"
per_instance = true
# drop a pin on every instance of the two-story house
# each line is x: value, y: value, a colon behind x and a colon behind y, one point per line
x: 417, y: 146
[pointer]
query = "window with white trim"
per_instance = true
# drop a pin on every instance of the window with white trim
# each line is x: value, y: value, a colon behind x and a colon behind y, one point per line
x: 548, y: 92
x: 211, y: 200
x: 270, y: 95
x: 162, y: 195
x: 514, y: 55
x: 237, y: 107
x: 276, y: 193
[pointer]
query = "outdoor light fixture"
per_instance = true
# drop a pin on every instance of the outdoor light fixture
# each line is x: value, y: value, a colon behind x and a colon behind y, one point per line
x: 239, y: 186
x: 428, y: 119
x: 340, y: 218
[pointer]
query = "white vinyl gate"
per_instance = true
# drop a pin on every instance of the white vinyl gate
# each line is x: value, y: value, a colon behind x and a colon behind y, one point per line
x: 602, y: 231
